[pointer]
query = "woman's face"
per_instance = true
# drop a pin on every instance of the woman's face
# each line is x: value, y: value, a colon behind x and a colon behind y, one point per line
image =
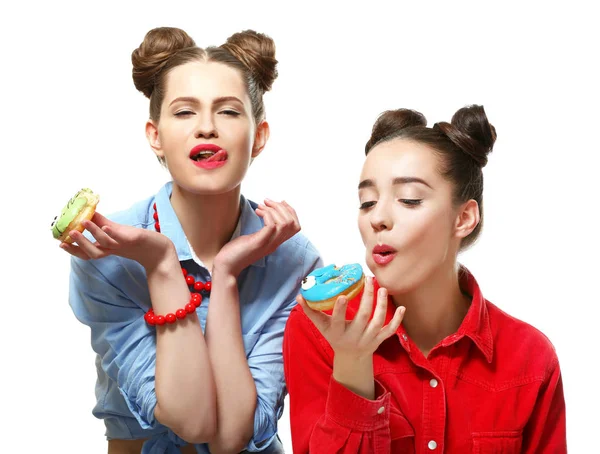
x: 206, y: 132
x: 407, y: 220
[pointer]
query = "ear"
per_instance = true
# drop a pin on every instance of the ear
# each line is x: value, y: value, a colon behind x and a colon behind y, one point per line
x: 467, y: 219
x: 260, y: 138
x: 154, y: 140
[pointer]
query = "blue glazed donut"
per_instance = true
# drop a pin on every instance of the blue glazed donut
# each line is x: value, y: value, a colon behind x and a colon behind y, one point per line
x: 322, y: 287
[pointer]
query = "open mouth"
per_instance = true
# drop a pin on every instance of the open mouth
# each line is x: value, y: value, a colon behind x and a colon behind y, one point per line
x: 209, y: 156
x: 383, y: 254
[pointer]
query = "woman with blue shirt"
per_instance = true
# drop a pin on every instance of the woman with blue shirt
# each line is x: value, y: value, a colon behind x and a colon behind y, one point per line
x: 187, y: 293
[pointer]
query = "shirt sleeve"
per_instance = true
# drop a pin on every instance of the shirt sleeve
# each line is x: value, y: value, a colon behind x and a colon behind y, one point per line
x: 546, y: 430
x: 266, y: 365
x: 325, y: 416
x: 123, y: 341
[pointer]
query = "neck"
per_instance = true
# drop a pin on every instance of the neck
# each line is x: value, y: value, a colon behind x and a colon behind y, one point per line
x: 435, y: 309
x: 208, y: 221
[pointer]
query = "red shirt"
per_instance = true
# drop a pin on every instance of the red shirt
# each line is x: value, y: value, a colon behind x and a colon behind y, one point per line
x: 494, y: 386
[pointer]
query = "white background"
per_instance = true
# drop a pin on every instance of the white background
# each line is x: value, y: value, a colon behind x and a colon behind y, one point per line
x: 71, y: 117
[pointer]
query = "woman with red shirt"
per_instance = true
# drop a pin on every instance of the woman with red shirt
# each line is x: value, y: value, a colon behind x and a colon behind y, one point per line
x: 423, y: 363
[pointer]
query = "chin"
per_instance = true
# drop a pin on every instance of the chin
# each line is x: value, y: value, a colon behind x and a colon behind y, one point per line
x: 395, y: 280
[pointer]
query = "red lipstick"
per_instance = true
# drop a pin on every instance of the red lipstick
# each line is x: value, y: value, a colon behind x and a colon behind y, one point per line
x: 383, y: 254
x: 208, y: 156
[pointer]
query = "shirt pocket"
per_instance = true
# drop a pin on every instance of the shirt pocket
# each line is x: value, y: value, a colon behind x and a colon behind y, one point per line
x: 250, y: 341
x: 502, y: 442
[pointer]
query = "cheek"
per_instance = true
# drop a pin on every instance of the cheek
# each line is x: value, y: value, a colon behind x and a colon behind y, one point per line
x: 364, y: 226
x: 426, y: 232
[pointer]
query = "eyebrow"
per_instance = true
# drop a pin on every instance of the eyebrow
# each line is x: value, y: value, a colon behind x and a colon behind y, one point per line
x: 219, y: 100
x: 397, y: 180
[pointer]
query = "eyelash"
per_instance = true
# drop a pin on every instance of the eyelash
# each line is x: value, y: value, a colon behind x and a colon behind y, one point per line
x: 410, y: 203
x: 229, y: 113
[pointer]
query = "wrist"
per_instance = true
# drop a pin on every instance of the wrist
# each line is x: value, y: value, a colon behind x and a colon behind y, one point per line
x: 222, y: 271
x: 164, y: 263
x: 223, y: 278
x: 355, y: 373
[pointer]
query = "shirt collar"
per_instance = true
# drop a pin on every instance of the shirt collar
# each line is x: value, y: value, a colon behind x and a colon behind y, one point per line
x: 248, y: 222
x: 475, y: 325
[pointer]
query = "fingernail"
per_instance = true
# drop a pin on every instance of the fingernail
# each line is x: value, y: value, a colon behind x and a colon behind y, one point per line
x: 383, y: 292
x: 402, y: 310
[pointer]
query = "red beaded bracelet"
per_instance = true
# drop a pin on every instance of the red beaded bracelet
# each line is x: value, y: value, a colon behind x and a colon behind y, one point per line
x: 195, y: 299
x: 153, y: 319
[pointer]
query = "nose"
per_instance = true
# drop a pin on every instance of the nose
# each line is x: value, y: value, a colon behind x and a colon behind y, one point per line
x: 206, y: 127
x: 381, y: 218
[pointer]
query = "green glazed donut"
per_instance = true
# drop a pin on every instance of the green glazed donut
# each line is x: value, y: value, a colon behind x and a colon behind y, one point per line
x: 82, y: 206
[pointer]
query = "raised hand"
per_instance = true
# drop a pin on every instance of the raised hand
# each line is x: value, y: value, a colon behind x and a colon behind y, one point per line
x: 361, y: 336
x: 144, y: 246
x: 281, y: 223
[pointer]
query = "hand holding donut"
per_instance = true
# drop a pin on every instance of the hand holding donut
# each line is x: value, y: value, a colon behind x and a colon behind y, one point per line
x: 281, y: 223
x: 144, y: 246
x: 360, y: 337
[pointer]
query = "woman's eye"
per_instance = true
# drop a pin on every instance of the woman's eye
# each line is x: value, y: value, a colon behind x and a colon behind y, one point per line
x: 366, y: 205
x: 184, y: 113
x: 411, y: 202
x: 232, y: 113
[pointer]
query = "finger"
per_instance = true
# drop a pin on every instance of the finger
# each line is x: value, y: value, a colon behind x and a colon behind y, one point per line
x: 103, y: 239
x: 338, y: 316
x: 122, y: 234
x: 287, y: 213
x: 392, y: 326
x: 289, y: 208
x: 74, y: 251
x: 293, y: 214
x: 89, y: 248
x: 319, y: 319
x: 101, y: 221
x: 380, y: 312
x: 366, y: 307
x: 279, y: 217
x: 278, y: 208
x: 265, y: 213
x: 287, y: 225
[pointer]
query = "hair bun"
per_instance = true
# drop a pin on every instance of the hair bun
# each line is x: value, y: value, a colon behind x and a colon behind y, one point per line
x: 392, y: 121
x: 256, y: 51
x: 471, y: 131
x: 151, y: 56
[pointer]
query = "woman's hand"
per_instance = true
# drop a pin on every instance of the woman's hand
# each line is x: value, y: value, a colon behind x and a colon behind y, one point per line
x: 360, y: 337
x: 281, y: 223
x: 144, y: 246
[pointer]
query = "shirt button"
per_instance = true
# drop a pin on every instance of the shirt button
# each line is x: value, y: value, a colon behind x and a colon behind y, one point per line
x: 432, y: 445
x: 381, y: 410
x: 433, y: 383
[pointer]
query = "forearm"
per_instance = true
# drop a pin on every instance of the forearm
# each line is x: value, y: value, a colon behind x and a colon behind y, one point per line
x: 355, y: 373
x: 185, y: 390
x: 236, y: 391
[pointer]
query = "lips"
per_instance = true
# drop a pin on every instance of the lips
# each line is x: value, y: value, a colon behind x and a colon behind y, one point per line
x: 383, y: 254
x: 208, y: 156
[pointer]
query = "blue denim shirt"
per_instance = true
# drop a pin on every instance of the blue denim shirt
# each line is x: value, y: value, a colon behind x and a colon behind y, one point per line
x: 111, y: 296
